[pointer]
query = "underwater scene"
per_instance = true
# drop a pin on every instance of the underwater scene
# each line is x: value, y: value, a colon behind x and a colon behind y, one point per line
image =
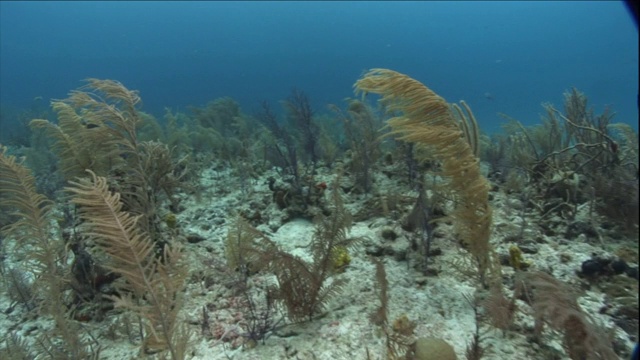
x: 319, y: 180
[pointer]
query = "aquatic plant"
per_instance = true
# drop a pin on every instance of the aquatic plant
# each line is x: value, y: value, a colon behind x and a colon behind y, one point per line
x: 97, y: 130
x: 421, y: 219
x: 425, y: 119
x: 302, y: 286
x: 283, y: 152
x: 361, y: 130
x: 399, y: 334
x: 300, y: 116
x: 576, y: 156
x: 32, y: 231
x: 555, y: 305
x: 154, y: 284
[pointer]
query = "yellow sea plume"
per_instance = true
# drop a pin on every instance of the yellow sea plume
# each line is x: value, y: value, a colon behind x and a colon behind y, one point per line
x: 427, y: 120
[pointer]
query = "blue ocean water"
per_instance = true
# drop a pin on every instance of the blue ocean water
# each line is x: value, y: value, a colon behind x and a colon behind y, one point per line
x: 504, y: 57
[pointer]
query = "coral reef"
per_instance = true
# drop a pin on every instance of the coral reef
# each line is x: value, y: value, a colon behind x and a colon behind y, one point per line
x: 388, y: 230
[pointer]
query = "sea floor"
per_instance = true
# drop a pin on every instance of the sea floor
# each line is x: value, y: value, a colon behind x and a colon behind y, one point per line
x: 439, y: 305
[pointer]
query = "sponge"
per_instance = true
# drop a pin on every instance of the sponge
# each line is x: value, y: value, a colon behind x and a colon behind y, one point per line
x: 431, y: 349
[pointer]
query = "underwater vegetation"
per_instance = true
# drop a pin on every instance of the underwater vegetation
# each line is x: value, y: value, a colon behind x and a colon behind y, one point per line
x: 103, y: 212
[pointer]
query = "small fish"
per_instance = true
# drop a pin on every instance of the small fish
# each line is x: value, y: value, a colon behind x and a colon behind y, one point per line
x: 89, y: 125
x: 489, y: 96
